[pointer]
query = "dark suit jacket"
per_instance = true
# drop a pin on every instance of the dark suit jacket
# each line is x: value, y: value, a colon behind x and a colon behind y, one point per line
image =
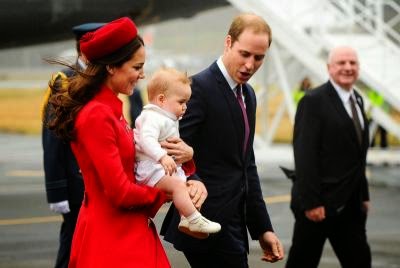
x: 213, y: 126
x: 63, y: 179
x: 330, y: 163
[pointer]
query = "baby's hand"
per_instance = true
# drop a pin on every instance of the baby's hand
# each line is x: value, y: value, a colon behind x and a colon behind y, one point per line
x: 168, y: 164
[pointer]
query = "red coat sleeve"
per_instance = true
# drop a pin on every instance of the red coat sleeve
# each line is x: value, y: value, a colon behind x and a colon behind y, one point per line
x: 109, y: 148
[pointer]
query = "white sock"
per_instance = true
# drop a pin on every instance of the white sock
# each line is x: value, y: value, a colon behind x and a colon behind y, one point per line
x: 194, y: 216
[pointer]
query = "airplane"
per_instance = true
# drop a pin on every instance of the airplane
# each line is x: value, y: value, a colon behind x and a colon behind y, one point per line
x: 27, y: 22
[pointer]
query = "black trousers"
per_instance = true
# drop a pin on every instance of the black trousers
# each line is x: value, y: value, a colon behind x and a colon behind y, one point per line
x: 345, y: 231
x: 214, y: 259
x: 66, y: 234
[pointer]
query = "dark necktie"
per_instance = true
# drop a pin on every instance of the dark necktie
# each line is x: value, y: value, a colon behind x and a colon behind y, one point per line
x: 356, y: 120
x: 244, y: 113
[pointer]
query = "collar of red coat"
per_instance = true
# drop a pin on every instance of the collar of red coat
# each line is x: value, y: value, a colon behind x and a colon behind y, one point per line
x: 108, y: 97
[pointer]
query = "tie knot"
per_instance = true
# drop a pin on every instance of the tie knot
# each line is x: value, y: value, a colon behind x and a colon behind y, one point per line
x: 239, y: 90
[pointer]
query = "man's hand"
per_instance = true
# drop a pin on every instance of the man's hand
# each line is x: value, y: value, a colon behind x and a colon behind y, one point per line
x: 316, y: 214
x: 198, y: 192
x: 178, y: 149
x: 272, y: 247
x: 366, y: 206
x: 60, y: 207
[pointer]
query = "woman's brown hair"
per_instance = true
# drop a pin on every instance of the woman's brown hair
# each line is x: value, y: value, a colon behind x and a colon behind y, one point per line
x: 65, y: 103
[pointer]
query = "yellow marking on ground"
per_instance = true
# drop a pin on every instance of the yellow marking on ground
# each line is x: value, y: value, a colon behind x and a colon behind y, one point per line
x: 163, y: 209
x: 25, y: 173
x: 277, y: 199
x: 32, y: 220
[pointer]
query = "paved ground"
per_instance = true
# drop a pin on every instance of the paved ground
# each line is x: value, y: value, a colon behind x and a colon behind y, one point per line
x: 28, y: 231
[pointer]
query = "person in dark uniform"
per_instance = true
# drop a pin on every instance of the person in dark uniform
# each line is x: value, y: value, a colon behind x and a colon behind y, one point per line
x: 63, y: 180
x: 219, y: 124
x: 136, y: 105
x: 330, y: 196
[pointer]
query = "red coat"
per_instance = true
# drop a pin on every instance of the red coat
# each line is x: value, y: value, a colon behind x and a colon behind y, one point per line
x: 113, y: 228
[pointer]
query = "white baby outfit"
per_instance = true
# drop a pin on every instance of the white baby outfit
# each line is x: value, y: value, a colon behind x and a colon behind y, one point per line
x: 152, y: 126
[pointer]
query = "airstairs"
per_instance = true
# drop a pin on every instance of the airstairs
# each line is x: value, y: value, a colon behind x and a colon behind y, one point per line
x: 303, y: 33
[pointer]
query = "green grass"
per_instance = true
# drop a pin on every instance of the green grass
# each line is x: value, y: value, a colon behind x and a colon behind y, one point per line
x: 20, y: 110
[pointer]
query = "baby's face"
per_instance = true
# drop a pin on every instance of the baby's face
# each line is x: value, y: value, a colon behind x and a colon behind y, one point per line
x: 176, y: 98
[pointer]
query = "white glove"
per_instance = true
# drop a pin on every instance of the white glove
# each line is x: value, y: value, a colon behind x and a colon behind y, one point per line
x: 60, y: 207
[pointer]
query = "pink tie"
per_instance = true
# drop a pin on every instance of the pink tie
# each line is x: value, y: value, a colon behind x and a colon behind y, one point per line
x: 244, y: 113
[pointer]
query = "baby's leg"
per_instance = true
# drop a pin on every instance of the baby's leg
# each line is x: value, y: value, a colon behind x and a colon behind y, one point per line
x: 177, y: 188
x: 193, y: 223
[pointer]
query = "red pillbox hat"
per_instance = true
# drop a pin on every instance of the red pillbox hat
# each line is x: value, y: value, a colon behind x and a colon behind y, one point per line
x: 107, y: 39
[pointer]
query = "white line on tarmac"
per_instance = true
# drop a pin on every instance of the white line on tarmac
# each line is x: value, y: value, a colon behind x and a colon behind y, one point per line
x: 47, y: 219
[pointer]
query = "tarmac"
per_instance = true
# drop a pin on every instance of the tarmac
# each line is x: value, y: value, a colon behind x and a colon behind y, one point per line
x: 29, y: 231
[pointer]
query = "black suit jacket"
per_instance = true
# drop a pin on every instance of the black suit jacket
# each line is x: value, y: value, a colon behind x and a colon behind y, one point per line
x: 213, y: 126
x: 63, y: 179
x: 330, y: 163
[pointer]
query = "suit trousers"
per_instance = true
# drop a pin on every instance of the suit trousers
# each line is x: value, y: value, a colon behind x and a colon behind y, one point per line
x: 66, y: 234
x: 346, y: 232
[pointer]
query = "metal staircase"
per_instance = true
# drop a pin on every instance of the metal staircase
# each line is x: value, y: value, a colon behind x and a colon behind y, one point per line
x: 303, y: 33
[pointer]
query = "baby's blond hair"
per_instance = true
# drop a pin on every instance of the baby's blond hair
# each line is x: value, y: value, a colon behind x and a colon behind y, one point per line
x: 162, y: 80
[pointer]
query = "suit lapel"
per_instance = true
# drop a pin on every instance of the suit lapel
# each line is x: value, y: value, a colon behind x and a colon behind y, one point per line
x: 250, y: 108
x: 365, y: 132
x: 234, y: 108
x: 338, y: 104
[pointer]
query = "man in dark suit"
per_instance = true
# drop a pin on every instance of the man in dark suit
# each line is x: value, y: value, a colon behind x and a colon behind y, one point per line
x: 219, y: 124
x: 330, y: 197
x: 63, y: 179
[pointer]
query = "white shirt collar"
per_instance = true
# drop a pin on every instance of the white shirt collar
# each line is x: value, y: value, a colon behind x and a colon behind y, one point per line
x: 225, y: 73
x: 343, y: 93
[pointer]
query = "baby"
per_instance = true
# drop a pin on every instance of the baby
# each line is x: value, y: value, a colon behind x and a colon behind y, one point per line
x: 168, y: 92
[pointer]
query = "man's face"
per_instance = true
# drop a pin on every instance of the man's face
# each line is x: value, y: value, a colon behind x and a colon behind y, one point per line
x: 243, y: 57
x: 343, y: 67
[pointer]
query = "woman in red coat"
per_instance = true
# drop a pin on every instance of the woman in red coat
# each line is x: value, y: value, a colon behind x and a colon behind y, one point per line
x: 114, y: 227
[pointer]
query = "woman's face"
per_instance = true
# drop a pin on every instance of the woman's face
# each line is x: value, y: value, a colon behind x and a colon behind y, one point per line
x: 123, y: 79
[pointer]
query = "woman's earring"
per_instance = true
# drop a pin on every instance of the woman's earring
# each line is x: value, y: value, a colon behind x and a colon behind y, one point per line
x: 109, y: 69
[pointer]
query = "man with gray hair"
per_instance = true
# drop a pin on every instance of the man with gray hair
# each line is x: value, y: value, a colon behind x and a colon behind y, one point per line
x: 330, y: 197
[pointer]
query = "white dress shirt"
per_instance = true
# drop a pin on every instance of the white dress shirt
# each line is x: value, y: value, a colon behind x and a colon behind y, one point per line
x: 345, y: 96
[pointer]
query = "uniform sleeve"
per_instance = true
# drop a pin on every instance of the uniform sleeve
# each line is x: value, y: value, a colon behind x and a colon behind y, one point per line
x: 98, y: 136
x: 55, y: 173
x: 54, y: 152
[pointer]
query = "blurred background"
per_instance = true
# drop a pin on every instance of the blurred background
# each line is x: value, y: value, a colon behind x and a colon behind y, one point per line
x: 189, y: 35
